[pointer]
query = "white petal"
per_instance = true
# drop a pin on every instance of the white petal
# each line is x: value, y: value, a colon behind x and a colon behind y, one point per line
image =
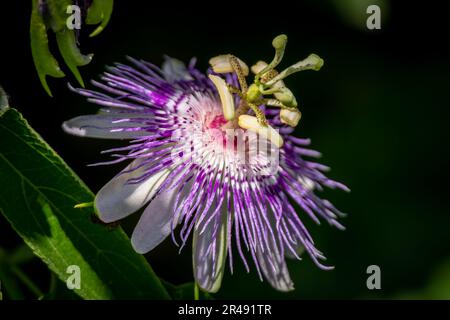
x: 103, y: 126
x: 118, y: 199
x: 274, y: 267
x: 272, y: 263
x: 155, y: 223
x: 175, y: 70
x: 226, y: 98
x: 209, y: 265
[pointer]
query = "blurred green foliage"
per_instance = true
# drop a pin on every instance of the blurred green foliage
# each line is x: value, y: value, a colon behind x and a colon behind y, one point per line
x: 39, y: 204
x: 353, y: 12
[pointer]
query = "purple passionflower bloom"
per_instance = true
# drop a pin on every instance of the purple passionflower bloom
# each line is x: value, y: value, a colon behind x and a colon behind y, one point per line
x: 185, y: 172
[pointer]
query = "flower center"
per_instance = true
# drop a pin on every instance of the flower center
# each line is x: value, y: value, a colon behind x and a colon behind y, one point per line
x: 217, y: 122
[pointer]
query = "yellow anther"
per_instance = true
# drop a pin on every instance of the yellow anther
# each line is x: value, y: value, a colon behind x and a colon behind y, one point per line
x: 251, y: 123
x: 226, y: 98
x: 221, y: 64
x: 290, y: 117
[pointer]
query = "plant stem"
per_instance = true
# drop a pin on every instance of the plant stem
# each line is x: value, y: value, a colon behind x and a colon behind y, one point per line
x: 196, y: 292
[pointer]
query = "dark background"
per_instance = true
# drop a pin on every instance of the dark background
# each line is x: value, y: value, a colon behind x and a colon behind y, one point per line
x: 378, y: 111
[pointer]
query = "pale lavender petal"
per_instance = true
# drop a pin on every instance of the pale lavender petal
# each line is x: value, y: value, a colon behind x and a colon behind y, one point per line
x: 105, y: 126
x: 175, y: 70
x: 156, y: 222
x: 210, y: 251
x: 120, y: 198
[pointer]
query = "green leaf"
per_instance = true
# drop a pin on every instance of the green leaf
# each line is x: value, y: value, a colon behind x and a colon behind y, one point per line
x: 46, y: 64
x: 38, y: 196
x: 58, y: 14
x: 71, y: 54
x: 55, y: 19
x: 99, y: 12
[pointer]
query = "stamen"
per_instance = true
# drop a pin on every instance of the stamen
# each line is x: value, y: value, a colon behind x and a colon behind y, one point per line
x: 266, y: 76
x: 234, y: 61
x: 258, y: 67
x: 290, y: 117
x: 286, y: 97
x: 226, y: 97
x: 251, y: 123
x: 221, y: 64
x: 260, y: 116
x: 312, y: 62
x: 273, y: 103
